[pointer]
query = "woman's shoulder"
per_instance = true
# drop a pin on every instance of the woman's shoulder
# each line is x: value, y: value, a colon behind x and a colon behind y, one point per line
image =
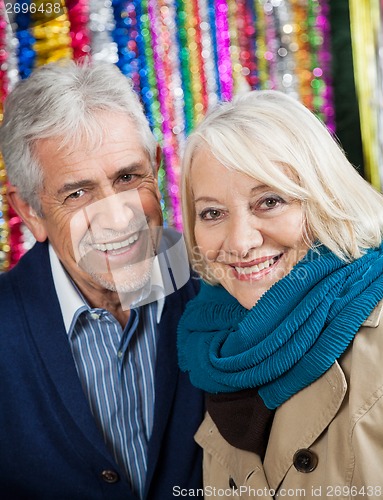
x: 375, y: 319
x: 362, y: 363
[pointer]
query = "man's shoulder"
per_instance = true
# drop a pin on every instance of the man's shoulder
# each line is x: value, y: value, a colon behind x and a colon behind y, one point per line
x: 32, y: 272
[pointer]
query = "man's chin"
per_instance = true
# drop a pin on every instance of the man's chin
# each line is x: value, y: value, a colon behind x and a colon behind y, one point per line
x: 125, y: 281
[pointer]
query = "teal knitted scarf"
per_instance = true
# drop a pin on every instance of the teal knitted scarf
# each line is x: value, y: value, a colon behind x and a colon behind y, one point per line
x: 294, y: 333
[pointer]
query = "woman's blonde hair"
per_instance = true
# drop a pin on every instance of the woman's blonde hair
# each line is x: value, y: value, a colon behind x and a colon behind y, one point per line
x: 258, y: 133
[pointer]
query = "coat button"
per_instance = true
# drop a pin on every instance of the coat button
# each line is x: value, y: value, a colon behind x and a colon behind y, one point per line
x: 305, y: 460
x: 232, y: 484
x: 110, y: 476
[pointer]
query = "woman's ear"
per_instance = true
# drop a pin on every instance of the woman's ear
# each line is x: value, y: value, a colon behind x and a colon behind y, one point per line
x: 31, y: 219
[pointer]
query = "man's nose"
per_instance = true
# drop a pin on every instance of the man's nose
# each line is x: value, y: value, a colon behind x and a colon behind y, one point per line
x: 115, y: 212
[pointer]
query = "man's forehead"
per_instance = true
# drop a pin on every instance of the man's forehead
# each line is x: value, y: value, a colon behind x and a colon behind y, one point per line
x: 75, y: 151
x: 103, y: 127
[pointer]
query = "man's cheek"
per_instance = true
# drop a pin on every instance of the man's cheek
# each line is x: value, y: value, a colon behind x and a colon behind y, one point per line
x: 151, y: 206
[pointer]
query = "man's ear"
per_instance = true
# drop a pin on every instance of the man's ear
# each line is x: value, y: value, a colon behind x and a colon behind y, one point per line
x: 158, y: 158
x: 34, y: 222
x: 158, y: 165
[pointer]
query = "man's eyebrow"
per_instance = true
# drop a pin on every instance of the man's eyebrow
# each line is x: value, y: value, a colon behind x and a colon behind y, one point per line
x: 76, y: 185
x: 130, y: 169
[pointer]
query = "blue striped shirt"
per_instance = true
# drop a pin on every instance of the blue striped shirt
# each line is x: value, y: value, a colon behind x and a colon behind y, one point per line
x: 116, y: 369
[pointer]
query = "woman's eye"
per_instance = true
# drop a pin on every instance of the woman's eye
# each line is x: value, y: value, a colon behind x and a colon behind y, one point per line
x: 210, y: 214
x: 270, y: 203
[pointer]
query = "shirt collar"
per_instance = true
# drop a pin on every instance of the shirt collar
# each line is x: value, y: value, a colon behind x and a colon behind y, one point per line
x: 153, y: 291
x: 71, y: 301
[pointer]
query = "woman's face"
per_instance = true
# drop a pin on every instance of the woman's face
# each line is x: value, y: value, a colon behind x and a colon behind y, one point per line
x: 250, y: 234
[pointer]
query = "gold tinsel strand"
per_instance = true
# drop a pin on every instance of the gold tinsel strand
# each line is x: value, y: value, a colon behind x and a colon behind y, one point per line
x: 364, y: 17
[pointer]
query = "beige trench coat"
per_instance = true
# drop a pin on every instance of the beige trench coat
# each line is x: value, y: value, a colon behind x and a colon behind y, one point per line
x: 325, y: 442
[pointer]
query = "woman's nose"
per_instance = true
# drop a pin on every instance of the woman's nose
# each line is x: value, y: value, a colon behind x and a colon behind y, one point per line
x: 244, y: 235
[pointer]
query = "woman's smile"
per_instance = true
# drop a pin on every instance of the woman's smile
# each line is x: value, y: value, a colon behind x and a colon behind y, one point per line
x: 256, y: 269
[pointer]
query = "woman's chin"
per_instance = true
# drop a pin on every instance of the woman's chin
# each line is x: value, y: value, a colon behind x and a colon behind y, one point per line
x: 246, y: 294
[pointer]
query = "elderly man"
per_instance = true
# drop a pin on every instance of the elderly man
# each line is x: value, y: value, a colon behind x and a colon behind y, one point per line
x: 92, y: 403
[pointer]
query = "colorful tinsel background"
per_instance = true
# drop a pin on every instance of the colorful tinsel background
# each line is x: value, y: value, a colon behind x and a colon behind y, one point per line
x: 185, y: 55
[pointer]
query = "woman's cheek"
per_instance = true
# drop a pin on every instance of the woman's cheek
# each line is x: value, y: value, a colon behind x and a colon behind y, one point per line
x: 205, y: 243
x: 209, y: 253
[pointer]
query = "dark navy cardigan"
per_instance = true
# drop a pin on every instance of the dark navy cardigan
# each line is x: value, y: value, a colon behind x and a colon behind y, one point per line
x: 50, y: 447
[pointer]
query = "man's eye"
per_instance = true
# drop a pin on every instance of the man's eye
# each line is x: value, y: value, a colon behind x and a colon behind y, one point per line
x: 128, y: 177
x: 77, y: 194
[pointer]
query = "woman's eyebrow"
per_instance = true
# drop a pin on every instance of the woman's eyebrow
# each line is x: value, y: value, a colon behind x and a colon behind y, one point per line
x: 206, y: 199
x: 261, y: 187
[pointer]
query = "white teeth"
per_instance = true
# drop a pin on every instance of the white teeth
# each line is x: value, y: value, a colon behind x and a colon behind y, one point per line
x: 103, y: 247
x: 256, y: 268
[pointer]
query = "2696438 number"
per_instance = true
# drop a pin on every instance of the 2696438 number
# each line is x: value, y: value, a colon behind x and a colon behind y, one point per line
x: 47, y: 8
x: 354, y: 491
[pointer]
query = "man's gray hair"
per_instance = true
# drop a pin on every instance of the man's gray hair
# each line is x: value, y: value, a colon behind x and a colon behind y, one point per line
x: 64, y: 100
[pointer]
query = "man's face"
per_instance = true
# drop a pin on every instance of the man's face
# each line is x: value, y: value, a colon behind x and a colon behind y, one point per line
x: 101, y: 208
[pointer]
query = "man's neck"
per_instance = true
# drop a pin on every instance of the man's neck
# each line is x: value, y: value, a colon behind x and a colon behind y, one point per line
x: 72, y: 295
x: 110, y: 301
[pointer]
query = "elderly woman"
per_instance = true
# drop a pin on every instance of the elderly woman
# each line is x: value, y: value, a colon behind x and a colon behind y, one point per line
x: 286, y: 335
